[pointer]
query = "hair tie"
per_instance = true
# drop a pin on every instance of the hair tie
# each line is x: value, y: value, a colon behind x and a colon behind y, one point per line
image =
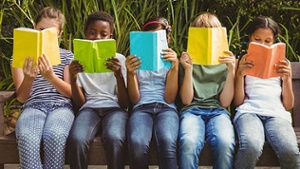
x: 164, y: 23
x: 149, y: 23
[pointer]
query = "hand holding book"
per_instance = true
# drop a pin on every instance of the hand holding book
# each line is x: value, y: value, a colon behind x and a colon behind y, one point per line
x: 148, y: 46
x: 206, y: 45
x: 34, y: 43
x: 264, y: 59
x: 93, y: 54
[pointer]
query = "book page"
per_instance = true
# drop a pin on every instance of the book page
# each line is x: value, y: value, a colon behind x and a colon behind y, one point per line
x: 206, y: 45
x: 84, y: 53
x: 49, y: 45
x: 264, y: 59
x: 161, y: 45
x: 26, y: 43
x: 92, y: 54
x: 103, y: 49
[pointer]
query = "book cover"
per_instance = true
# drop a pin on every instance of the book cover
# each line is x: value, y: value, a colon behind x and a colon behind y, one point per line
x: 92, y: 54
x: 34, y: 43
x: 206, y: 45
x: 148, y: 46
x: 264, y: 59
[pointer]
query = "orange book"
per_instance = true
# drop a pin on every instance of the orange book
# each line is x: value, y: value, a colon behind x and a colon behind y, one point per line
x: 264, y: 59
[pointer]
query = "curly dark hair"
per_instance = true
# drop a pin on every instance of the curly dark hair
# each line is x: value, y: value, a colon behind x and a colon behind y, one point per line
x: 100, y: 15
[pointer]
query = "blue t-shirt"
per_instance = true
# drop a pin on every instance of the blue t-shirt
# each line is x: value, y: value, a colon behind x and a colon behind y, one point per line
x: 152, y: 86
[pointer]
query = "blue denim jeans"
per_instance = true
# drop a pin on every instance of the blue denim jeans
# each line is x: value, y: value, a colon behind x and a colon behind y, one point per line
x: 252, y: 130
x: 50, y: 128
x: 211, y: 125
x: 89, y: 121
x: 161, y: 122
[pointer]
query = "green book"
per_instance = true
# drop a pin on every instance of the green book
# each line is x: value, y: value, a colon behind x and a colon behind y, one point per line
x: 92, y: 54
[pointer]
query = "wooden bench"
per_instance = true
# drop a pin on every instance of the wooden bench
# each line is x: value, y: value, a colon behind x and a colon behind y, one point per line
x: 9, y: 151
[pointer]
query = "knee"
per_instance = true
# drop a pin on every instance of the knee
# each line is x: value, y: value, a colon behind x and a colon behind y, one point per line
x: 224, y: 143
x: 53, y: 137
x: 114, y: 139
x: 189, y: 145
x: 252, y: 145
x: 28, y: 139
x: 138, y: 146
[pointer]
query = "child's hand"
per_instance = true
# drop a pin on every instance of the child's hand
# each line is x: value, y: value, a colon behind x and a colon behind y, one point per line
x: 45, y: 67
x: 244, y: 65
x: 114, y: 65
x: 228, y: 60
x: 132, y: 63
x: 170, y: 55
x: 30, y: 69
x: 284, y: 69
x: 186, y: 61
x: 74, y: 68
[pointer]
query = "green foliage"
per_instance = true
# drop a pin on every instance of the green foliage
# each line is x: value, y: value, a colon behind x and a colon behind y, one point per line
x: 130, y: 15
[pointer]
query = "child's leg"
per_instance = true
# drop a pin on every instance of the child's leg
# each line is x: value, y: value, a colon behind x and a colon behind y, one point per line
x: 191, y: 138
x: 56, y: 131
x: 220, y: 137
x: 83, y: 132
x: 29, y: 134
x: 114, y: 136
x: 165, y: 134
x: 139, y: 133
x: 251, y: 136
x: 281, y: 136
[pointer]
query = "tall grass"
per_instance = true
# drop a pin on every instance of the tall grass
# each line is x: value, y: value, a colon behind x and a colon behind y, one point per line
x: 130, y: 15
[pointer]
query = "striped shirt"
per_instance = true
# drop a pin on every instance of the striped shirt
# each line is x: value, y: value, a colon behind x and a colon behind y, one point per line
x: 43, y: 91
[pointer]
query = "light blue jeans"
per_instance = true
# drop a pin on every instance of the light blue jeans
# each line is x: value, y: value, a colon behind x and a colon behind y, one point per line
x: 161, y: 122
x: 50, y: 128
x: 111, y: 122
x: 211, y: 125
x: 252, y: 130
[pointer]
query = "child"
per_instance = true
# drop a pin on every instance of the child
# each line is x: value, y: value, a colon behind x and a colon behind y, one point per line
x: 206, y: 92
x: 154, y: 113
x: 262, y: 106
x: 101, y: 98
x: 47, y: 113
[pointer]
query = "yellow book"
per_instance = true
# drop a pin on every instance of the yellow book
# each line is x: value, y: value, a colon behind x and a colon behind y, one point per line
x: 34, y: 43
x: 206, y: 45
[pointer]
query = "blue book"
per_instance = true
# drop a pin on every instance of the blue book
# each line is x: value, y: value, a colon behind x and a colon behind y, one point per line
x: 148, y: 46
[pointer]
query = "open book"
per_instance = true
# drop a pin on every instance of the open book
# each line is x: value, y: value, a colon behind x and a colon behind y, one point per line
x: 34, y: 43
x: 264, y: 59
x: 148, y: 46
x: 206, y: 45
x: 92, y: 54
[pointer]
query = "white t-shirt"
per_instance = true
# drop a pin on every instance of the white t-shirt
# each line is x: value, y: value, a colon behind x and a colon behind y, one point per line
x: 264, y: 98
x: 101, y: 88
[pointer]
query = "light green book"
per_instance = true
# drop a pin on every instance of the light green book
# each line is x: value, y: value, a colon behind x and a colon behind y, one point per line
x: 92, y: 54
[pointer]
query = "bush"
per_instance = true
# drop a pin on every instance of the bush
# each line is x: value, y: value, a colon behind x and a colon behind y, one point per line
x: 130, y: 15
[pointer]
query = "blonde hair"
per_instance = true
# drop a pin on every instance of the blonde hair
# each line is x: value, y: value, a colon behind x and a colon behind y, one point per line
x: 207, y: 20
x: 51, y: 13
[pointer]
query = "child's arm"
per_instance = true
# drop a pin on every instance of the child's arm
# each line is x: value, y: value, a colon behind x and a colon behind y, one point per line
x: 186, y: 90
x: 284, y: 68
x: 62, y: 86
x: 227, y: 93
x: 122, y: 91
x: 132, y: 63
x: 239, y: 91
x: 172, y: 76
x: 77, y: 92
x: 23, y: 79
